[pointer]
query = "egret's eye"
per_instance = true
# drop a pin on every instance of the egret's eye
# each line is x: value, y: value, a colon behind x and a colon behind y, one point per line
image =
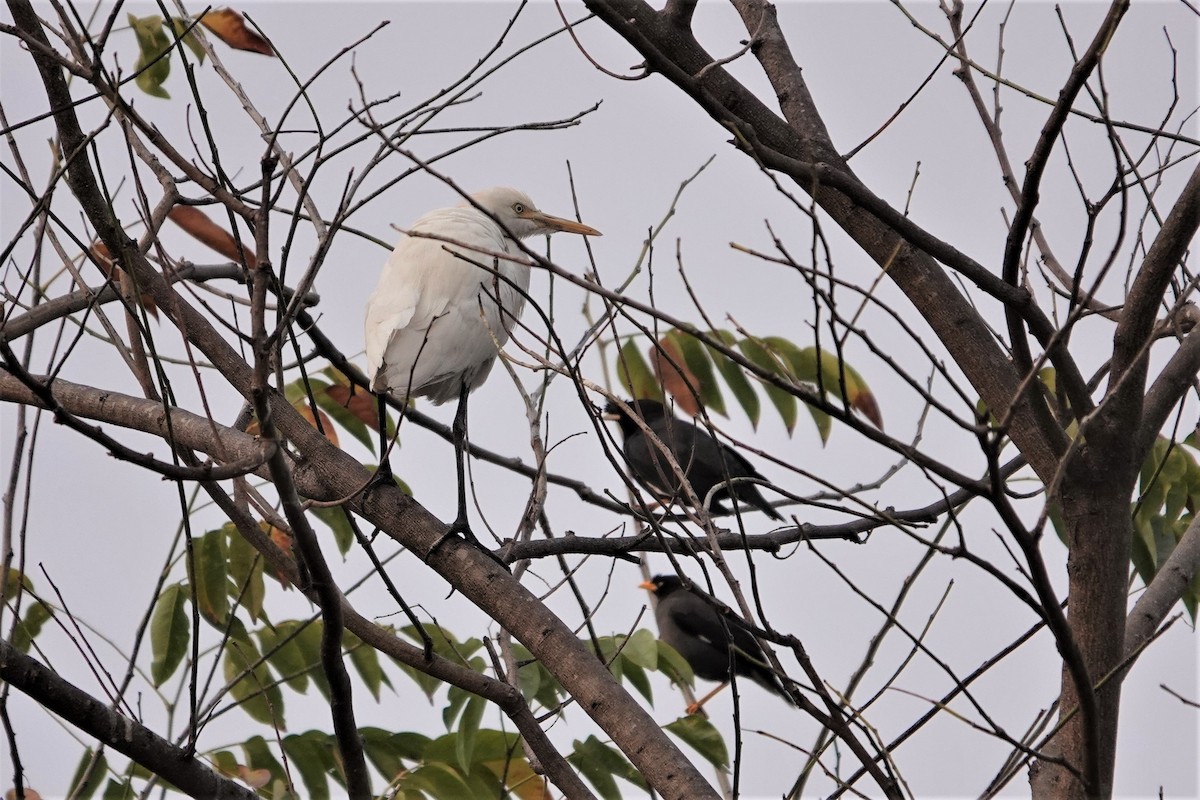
x: 518, y: 208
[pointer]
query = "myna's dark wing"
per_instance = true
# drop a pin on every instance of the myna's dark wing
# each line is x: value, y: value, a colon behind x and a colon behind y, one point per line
x: 709, y: 463
x: 692, y: 627
x: 695, y: 629
x: 650, y: 468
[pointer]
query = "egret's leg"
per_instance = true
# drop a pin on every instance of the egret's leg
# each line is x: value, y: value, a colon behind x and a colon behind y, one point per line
x: 384, y: 470
x: 459, y: 432
x: 383, y: 473
x: 697, y: 706
x: 461, y: 525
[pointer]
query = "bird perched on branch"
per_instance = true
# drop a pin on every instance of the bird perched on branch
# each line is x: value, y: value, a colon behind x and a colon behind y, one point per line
x: 705, y: 462
x: 446, y: 301
x: 716, y: 645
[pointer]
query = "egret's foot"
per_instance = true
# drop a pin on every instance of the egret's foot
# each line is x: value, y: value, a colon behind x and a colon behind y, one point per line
x: 383, y: 477
x: 463, y: 528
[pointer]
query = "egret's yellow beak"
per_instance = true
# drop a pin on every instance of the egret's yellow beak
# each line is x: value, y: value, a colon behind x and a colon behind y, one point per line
x: 560, y: 224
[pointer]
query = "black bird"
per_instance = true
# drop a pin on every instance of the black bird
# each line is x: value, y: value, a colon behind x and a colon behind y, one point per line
x: 705, y: 461
x: 716, y: 646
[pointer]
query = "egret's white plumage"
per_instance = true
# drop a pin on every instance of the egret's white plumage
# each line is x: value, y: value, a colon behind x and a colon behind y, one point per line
x: 445, y: 303
x: 433, y: 322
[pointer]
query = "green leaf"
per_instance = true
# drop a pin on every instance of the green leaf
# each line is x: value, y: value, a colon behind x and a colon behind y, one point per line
x: 817, y: 368
x: 637, y: 677
x: 1191, y: 598
x: 311, y: 754
x: 246, y: 570
x: 456, y: 701
x: 698, y: 733
x: 16, y: 582
x: 700, y: 364
x: 536, y: 681
x: 253, y: 687
x: 366, y: 662
x: 308, y: 640
x: 784, y: 402
x: 1054, y: 512
x: 225, y: 762
x: 94, y: 776
x: 494, y: 745
x: 118, y: 790
x: 735, y: 378
x: 335, y: 518
x: 182, y: 28
x: 30, y: 626
x: 208, y: 570
x: 468, y: 728
x: 1142, y: 554
x: 599, y: 763
x: 388, y: 751
x: 673, y: 665
x: 259, y: 756
x: 438, y: 780
x: 285, y: 654
x: 642, y: 649
x: 152, y: 42
x: 445, y: 645
x: 170, y: 633
x: 530, y: 679
x: 634, y: 373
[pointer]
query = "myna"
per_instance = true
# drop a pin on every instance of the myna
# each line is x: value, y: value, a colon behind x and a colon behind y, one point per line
x: 716, y: 646
x: 706, y: 462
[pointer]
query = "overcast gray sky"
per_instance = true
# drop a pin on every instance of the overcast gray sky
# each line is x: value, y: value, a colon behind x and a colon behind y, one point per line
x: 105, y: 547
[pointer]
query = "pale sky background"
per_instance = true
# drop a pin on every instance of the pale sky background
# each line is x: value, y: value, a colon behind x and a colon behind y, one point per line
x: 105, y: 547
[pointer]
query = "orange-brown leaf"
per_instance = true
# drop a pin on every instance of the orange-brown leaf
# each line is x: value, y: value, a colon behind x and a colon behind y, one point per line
x: 282, y: 540
x: 109, y: 267
x: 673, y: 374
x: 197, y: 225
x: 359, y: 403
x: 864, y: 402
x: 326, y: 426
x: 305, y: 411
x: 230, y: 27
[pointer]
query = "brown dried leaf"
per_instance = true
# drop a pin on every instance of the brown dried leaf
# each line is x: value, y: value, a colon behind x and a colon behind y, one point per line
x: 110, y: 269
x: 306, y: 411
x: 361, y: 404
x: 282, y: 540
x: 230, y: 27
x: 326, y: 426
x: 673, y: 374
x: 196, y: 224
x: 865, y: 403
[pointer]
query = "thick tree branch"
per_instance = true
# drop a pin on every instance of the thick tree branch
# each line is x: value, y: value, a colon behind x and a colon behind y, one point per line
x: 125, y: 735
x: 1169, y: 387
x: 1131, y: 342
x: 1164, y: 591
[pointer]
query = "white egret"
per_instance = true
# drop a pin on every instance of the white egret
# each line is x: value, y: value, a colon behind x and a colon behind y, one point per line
x: 448, y: 297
